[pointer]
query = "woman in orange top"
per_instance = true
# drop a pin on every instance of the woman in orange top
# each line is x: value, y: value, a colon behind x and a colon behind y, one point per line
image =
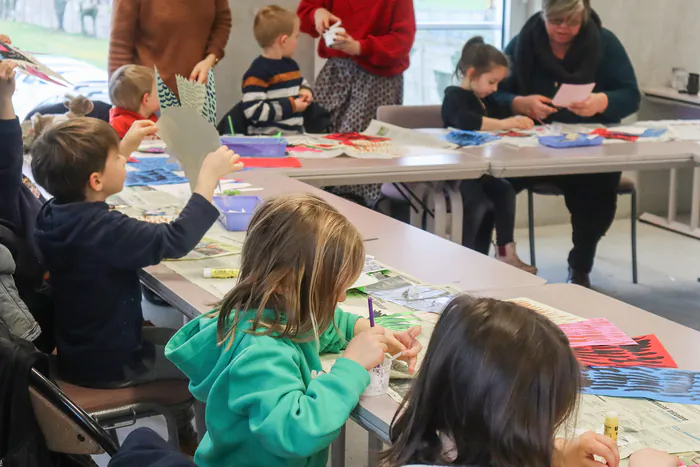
x: 180, y: 37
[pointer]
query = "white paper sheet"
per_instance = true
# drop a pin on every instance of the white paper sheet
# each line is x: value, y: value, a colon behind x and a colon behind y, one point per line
x: 405, y: 137
x: 572, y: 94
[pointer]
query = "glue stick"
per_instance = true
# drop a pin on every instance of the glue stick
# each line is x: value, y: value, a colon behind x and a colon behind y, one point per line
x: 611, y: 425
x: 220, y: 273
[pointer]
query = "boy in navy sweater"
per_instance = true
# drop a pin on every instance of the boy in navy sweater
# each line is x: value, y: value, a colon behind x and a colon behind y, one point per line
x: 94, y: 254
x: 275, y: 96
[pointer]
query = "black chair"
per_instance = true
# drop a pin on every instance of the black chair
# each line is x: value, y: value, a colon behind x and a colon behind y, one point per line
x: 238, y: 120
x: 100, y: 111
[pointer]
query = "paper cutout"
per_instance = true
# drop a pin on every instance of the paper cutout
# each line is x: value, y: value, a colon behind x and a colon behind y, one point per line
x: 597, y: 331
x: 350, y: 138
x: 27, y: 63
x: 192, y: 94
x: 210, y: 248
x: 648, y: 353
x: 209, y: 111
x: 154, y: 176
x: 608, y: 134
x: 470, y: 138
x: 555, y: 315
x: 397, y: 321
x: 572, y: 94
x: 189, y: 137
x: 660, y: 384
x: 270, y: 162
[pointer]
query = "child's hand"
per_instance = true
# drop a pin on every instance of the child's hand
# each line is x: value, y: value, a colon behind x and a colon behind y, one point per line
x: 324, y: 19
x: 6, y: 39
x: 306, y: 94
x: 406, y: 342
x: 7, y: 79
x: 519, y: 122
x: 580, y: 451
x: 221, y: 162
x: 368, y: 347
x: 653, y: 458
x: 301, y: 104
x: 133, y: 138
x: 345, y: 43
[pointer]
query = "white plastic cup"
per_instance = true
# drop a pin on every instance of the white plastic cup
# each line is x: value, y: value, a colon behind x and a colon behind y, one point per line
x: 379, y: 379
x: 330, y: 35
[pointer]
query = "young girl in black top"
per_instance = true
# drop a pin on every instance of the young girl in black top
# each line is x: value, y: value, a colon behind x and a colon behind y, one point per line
x: 497, y: 383
x: 467, y: 107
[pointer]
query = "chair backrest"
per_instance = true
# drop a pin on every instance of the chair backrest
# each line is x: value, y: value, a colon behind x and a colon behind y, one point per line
x: 411, y: 116
x: 238, y: 120
x: 66, y: 427
x: 100, y: 110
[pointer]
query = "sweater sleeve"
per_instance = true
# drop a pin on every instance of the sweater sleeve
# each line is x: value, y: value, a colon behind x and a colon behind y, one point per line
x: 258, y: 107
x: 508, y: 88
x: 220, y: 31
x: 617, y: 79
x: 378, y: 50
x: 287, y: 417
x: 10, y: 169
x: 306, y: 11
x: 337, y: 336
x: 135, y: 244
x: 122, y: 40
x: 456, y: 115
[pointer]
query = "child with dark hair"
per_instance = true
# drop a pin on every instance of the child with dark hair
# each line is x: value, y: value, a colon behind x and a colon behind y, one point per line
x: 467, y: 107
x: 496, y: 384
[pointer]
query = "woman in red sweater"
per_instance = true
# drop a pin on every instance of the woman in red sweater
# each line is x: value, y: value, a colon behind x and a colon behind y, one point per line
x: 365, y: 64
x: 182, y: 37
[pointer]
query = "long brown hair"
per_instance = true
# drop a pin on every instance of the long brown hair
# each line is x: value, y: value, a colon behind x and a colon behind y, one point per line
x: 298, y: 257
x: 497, y: 380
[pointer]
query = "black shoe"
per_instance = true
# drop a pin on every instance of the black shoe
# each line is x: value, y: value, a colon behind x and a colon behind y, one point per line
x: 579, y: 278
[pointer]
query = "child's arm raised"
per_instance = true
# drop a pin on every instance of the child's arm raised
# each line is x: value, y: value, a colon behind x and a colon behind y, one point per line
x: 132, y: 244
x: 11, y: 143
x: 288, y: 417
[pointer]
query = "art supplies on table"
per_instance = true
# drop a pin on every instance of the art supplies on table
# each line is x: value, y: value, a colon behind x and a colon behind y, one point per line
x: 210, y: 248
x: 414, y: 296
x: 555, y: 315
x: 660, y: 384
x: 152, y: 146
x: 569, y: 94
x: 596, y: 331
x: 648, y: 352
x: 249, y: 146
x: 28, y: 64
x: 571, y: 140
x: 609, y: 134
x: 220, y: 273
x: 270, y: 162
x: 611, y: 425
x: 146, y: 163
x: 236, y: 211
x: 465, y: 138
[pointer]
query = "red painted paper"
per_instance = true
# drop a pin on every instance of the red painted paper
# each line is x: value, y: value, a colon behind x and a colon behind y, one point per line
x: 597, y: 331
x: 270, y: 162
x: 648, y: 352
x: 348, y: 138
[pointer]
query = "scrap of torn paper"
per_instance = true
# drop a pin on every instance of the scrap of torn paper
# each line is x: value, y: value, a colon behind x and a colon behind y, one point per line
x: 597, y: 331
x: 210, y: 248
x: 649, y: 352
x: 416, y: 297
x: 661, y: 384
x: 371, y: 265
x: 555, y: 315
x: 465, y: 138
x: 27, y: 63
x: 154, y: 176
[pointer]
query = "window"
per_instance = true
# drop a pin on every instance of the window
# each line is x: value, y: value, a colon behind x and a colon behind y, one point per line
x: 70, y: 37
x: 444, y: 26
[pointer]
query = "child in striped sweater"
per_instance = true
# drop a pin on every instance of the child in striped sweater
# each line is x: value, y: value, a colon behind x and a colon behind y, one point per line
x: 275, y: 96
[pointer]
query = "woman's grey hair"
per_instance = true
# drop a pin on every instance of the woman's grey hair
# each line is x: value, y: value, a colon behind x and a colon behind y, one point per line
x: 562, y: 9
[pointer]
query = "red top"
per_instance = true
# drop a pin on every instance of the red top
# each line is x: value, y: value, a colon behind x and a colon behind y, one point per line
x: 122, y: 119
x: 385, y: 29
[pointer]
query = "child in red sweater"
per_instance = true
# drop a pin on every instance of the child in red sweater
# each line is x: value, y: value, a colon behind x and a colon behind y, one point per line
x: 132, y: 89
x: 365, y: 63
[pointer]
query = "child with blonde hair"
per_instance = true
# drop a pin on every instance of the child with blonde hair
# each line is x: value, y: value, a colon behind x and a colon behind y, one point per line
x: 255, y: 359
x: 132, y: 89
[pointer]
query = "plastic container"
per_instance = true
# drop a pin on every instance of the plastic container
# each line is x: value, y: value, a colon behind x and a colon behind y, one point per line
x: 236, y: 211
x: 379, y: 379
x: 256, y: 147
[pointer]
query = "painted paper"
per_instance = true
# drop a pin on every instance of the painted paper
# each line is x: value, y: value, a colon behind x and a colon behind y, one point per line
x: 597, y: 331
x: 154, y: 176
x: 649, y: 352
x: 27, y: 63
x: 660, y: 384
x: 555, y: 315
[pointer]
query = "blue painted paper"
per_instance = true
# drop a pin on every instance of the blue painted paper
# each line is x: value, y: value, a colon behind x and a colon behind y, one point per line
x: 469, y: 138
x: 661, y: 384
x: 147, y: 163
x: 154, y: 176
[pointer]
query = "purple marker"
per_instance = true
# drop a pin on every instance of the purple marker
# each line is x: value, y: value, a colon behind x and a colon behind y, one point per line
x: 371, y: 311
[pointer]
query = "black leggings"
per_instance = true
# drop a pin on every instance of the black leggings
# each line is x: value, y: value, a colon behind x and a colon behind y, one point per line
x: 501, y: 194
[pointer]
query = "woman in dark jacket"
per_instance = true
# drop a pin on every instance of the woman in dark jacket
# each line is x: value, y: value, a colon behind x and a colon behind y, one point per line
x: 566, y: 44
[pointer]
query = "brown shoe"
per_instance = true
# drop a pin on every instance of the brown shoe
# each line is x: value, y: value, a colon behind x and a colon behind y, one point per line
x: 579, y: 278
x: 508, y: 255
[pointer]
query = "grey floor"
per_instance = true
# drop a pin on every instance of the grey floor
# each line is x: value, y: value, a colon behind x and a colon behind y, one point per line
x: 669, y: 267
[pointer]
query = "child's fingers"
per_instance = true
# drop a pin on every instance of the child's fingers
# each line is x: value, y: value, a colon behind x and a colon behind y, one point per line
x: 6, y: 39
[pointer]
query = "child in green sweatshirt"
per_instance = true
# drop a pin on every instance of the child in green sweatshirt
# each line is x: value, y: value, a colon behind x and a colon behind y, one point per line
x: 255, y: 359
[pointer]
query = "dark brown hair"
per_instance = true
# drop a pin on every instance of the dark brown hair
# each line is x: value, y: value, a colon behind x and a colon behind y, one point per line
x: 299, y: 255
x: 129, y: 84
x: 481, y: 56
x: 498, y: 380
x: 65, y: 155
x: 271, y: 22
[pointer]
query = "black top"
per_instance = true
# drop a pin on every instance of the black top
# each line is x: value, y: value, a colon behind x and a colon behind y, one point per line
x: 461, y: 109
x: 94, y: 256
x: 144, y: 447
